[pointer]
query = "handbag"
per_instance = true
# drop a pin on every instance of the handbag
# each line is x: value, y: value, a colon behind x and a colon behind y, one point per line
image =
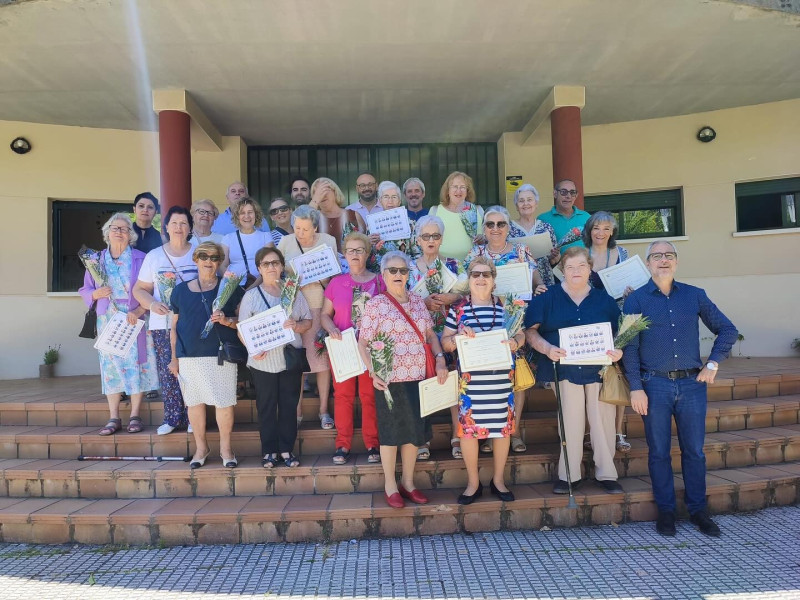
x: 523, y: 375
x: 615, y: 389
x: 251, y: 279
x: 430, y: 360
x: 296, y: 358
x: 232, y: 352
x: 89, y: 329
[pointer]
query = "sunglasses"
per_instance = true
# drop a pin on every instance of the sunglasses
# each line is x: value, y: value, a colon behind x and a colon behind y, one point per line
x: 275, y: 211
x: 269, y: 263
x: 396, y: 270
x: 484, y: 274
x: 427, y: 237
x: 499, y: 224
x: 565, y: 193
x: 211, y: 257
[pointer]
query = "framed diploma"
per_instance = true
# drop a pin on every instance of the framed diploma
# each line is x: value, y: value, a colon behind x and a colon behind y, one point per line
x: 434, y: 396
x: 316, y: 264
x: 514, y: 278
x: 484, y: 352
x: 629, y: 273
x: 540, y: 244
x: 118, y: 337
x: 390, y: 224
x: 345, y: 359
x: 586, y: 344
x: 265, y: 331
x: 448, y: 281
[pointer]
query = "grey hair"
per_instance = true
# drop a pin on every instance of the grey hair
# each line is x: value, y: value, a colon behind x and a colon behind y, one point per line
x: 651, y: 244
x: 389, y: 256
x: 600, y: 216
x: 496, y: 209
x: 428, y: 220
x: 411, y: 180
x: 387, y: 185
x: 304, y: 211
x: 120, y: 216
x: 526, y: 187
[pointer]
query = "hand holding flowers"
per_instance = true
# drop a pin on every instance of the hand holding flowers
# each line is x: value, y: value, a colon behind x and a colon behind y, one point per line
x: 381, y: 353
x: 228, y: 285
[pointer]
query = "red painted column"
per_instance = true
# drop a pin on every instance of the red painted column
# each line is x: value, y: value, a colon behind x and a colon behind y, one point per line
x: 565, y: 129
x: 175, y: 157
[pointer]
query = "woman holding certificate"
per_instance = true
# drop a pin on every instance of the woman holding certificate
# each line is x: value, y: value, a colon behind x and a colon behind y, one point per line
x: 305, y: 222
x: 394, y: 329
x: 390, y: 197
x: 277, y: 388
x: 486, y: 399
x: 526, y: 199
x: 574, y: 303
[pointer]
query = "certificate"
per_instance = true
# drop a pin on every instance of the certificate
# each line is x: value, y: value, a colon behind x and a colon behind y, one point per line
x: 345, y: 359
x: 484, y: 352
x: 514, y: 278
x: 586, y: 344
x: 390, y: 224
x: 316, y: 264
x: 448, y: 281
x: 265, y: 331
x: 118, y: 337
x: 540, y: 244
x: 434, y: 397
x: 628, y: 273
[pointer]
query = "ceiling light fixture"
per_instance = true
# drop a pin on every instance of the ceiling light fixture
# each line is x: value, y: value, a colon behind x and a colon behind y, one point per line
x: 706, y: 134
x: 20, y: 145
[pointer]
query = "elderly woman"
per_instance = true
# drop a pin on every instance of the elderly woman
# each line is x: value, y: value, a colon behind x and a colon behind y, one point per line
x: 574, y: 302
x: 305, y: 222
x: 428, y: 266
x: 241, y: 245
x: 204, y: 382
x: 526, y: 199
x: 134, y: 373
x: 345, y: 297
x: 145, y: 209
x: 390, y: 196
x: 486, y: 407
x: 204, y: 213
x: 277, y: 388
x: 402, y: 317
x: 460, y: 215
x: 334, y: 219
x: 163, y: 269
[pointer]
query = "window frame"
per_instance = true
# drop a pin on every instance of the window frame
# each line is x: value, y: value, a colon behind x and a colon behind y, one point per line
x: 782, y: 186
x: 620, y: 202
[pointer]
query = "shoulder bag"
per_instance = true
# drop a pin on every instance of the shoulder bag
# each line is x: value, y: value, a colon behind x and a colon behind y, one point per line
x: 251, y: 279
x: 231, y: 351
x: 615, y: 389
x: 89, y: 330
x: 296, y: 359
x: 430, y: 360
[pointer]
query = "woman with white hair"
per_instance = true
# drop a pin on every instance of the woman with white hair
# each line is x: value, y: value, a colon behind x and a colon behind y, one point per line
x: 135, y: 373
x: 334, y: 219
x: 526, y: 199
x: 204, y: 212
x: 389, y: 197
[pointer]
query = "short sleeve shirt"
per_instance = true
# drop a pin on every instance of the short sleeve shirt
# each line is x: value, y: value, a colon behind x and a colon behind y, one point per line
x: 157, y: 264
x: 340, y: 293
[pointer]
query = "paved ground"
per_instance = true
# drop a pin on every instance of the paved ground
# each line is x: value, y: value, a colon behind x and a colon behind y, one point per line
x: 757, y: 557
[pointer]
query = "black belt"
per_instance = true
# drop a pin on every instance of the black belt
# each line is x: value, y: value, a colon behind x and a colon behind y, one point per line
x: 679, y: 374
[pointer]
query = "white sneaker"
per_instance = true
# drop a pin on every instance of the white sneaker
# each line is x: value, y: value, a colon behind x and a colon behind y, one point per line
x: 164, y: 429
x: 189, y: 429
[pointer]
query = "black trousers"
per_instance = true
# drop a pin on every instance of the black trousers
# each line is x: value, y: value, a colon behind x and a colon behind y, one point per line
x: 277, y: 395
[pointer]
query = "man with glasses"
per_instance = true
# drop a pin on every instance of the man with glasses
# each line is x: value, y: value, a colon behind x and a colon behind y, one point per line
x: 281, y: 214
x: 565, y: 215
x: 668, y: 379
x: 299, y: 191
x: 367, y: 189
x: 224, y: 223
x: 145, y: 209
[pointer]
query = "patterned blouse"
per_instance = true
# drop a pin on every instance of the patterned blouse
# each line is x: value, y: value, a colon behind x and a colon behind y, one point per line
x: 518, y: 253
x: 518, y: 231
x: 415, y: 276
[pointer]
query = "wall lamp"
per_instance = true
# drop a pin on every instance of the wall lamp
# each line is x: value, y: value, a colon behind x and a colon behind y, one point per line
x: 706, y: 134
x: 20, y: 145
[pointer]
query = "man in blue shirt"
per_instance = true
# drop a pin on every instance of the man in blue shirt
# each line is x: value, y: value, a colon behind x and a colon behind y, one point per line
x: 414, y: 192
x: 668, y: 380
x: 224, y: 223
x: 564, y: 215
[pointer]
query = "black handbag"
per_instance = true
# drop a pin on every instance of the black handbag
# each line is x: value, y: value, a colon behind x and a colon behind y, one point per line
x: 89, y: 330
x: 230, y: 351
x: 296, y: 358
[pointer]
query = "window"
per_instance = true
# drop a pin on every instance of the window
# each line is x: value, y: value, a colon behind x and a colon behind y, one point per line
x: 642, y: 214
x: 767, y: 204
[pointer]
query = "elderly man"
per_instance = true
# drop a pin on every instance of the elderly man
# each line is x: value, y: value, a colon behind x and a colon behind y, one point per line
x: 224, y: 223
x: 298, y: 190
x: 414, y: 192
x: 565, y: 216
x: 668, y: 380
x: 145, y: 209
x: 367, y: 189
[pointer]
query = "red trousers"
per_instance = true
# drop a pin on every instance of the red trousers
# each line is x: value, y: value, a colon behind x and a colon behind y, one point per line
x: 344, y: 396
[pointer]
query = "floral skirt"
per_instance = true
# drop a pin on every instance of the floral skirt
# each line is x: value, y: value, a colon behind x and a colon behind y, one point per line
x: 486, y: 405
x: 125, y: 374
x: 402, y: 423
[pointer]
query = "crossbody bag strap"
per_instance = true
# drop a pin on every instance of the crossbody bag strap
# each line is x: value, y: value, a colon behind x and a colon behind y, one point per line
x: 244, y: 255
x: 405, y: 315
x: 263, y: 297
x: 296, y: 241
x: 177, y: 273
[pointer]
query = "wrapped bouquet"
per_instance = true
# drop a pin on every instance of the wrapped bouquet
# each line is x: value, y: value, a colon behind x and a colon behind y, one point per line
x: 360, y: 298
x: 629, y: 327
x: 230, y: 281
x: 93, y: 262
x: 573, y: 235
x: 381, y: 352
x: 469, y: 219
x: 513, y: 314
x: 289, y: 292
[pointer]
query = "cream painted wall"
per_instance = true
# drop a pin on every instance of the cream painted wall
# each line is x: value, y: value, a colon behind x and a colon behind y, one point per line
x: 755, y: 280
x: 73, y: 163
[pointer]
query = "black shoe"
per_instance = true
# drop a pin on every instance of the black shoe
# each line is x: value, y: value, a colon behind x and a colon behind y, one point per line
x: 504, y: 496
x: 704, y: 523
x: 611, y: 486
x: 665, y: 525
x: 464, y: 499
x: 561, y: 486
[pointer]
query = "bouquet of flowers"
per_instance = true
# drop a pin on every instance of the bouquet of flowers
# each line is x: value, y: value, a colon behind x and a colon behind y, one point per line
x: 469, y: 219
x: 94, y: 264
x: 230, y: 281
x: 360, y: 298
x: 381, y: 352
x: 289, y: 292
x: 629, y: 327
x: 166, y: 283
x: 573, y: 235
x: 319, y: 342
x: 513, y: 314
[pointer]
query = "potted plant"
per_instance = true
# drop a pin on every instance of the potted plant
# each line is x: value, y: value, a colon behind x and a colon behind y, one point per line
x: 50, y: 359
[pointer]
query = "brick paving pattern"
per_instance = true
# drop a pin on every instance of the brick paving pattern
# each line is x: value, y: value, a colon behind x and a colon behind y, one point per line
x: 757, y: 557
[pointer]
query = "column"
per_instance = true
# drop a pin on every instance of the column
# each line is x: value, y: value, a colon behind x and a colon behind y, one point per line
x: 565, y: 129
x: 175, y: 156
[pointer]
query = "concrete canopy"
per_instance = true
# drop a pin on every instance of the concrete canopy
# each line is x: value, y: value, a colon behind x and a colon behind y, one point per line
x: 366, y: 71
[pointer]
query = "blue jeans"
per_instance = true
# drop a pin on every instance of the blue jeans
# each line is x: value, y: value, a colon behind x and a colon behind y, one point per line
x: 685, y: 399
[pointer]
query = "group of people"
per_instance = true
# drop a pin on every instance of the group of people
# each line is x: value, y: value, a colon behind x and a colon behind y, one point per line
x: 374, y: 296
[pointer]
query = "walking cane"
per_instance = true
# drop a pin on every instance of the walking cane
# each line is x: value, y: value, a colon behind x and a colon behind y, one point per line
x: 150, y: 458
x: 571, y: 503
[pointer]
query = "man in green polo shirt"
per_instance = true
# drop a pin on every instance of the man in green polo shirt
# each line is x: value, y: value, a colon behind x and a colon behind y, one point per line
x: 565, y: 215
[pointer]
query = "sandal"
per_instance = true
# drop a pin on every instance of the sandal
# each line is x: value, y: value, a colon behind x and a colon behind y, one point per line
x: 517, y: 445
x: 341, y: 456
x: 270, y: 461
x: 455, y: 445
x: 424, y: 452
x: 326, y: 421
x: 291, y: 460
x: 486, y: 447
x: 135, y: 425
x: 112, y: 427
x: 373, y: 455
x: 623, y: 445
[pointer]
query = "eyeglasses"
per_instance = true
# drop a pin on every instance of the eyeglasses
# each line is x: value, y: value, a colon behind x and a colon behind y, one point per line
x: 663, y: 255
x: 427, y: 237
x: 211, y: 257
x: 204, y: 213
x: 363, y: 186
x: 565, y: 193
x: 498, y: 224
x: 459, y: 188
x: 484, y: 274
x: 280, y: 209
x: 269, y: 263
x: 115, y: 229
x: 355, y: 251
x: 394, y: 197
x: 396, y: 270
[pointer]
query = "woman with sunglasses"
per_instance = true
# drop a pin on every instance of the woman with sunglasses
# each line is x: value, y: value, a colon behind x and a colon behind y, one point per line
x: 204, y: 214
x: 204, y: 382
x: 501, y: 251
x: 401, y: 316
x: 281, y: 214
x: 486, y: 404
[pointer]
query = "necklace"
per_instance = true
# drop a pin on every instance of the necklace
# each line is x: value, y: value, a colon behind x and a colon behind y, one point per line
x: 494, y: 255
x: 478, y: 322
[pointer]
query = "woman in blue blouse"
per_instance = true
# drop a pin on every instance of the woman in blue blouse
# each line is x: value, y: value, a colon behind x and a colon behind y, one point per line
x: 574, y: 302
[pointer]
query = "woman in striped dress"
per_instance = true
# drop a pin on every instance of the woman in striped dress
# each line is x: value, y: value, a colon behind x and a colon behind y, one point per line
x: 486, y: 400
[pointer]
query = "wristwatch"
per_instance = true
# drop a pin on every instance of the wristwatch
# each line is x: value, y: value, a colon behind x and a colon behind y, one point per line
x: 712, y: 366
x: 439, y: 355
